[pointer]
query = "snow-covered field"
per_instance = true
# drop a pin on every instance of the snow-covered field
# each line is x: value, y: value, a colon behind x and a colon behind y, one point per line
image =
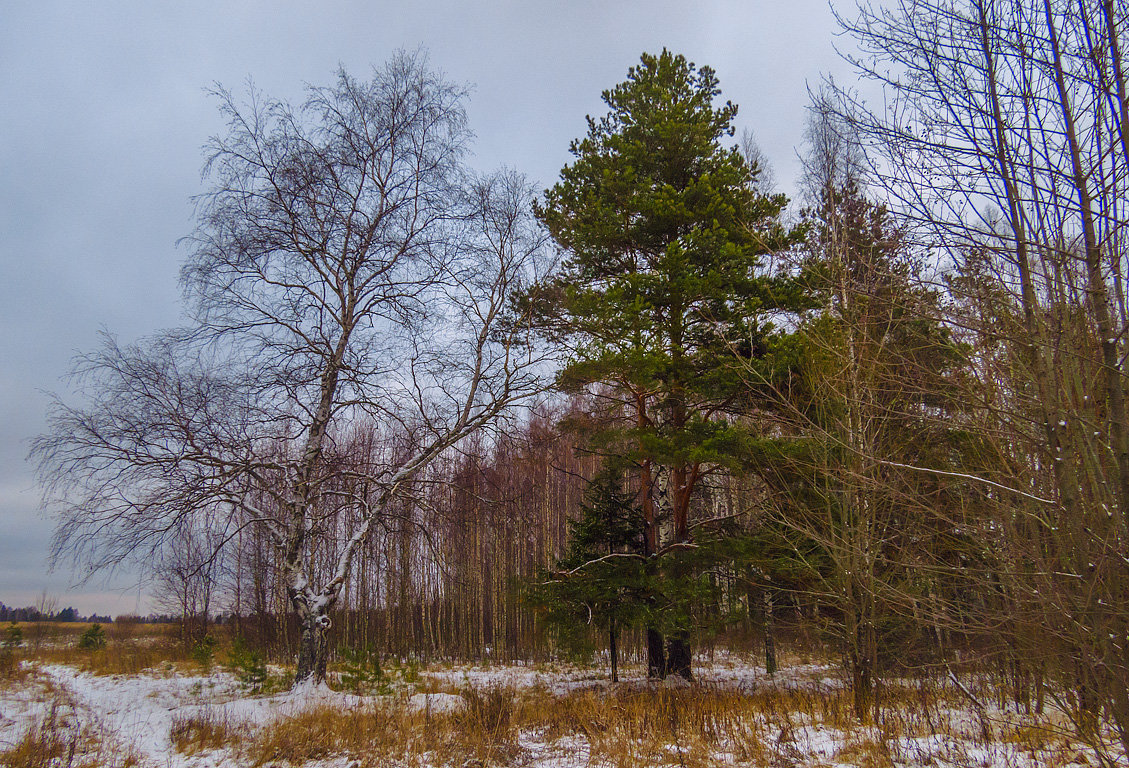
x: 128, y: 719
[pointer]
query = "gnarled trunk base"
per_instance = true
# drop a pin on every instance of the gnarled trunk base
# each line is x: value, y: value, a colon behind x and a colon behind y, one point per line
x: 313, y: 651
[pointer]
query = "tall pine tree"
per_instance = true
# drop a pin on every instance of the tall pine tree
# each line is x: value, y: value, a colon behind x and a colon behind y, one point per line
x: 663, y: 299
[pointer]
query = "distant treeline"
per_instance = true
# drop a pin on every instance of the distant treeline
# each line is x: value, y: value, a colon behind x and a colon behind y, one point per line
x: 70, y: 614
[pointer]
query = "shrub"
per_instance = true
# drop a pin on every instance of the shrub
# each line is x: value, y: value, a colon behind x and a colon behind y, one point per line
x: 13, y: 637
x: 93, y: 638
x: 406, y: 670
x: 361, y: 672
x: 248, y: 665
x: 204, y: 651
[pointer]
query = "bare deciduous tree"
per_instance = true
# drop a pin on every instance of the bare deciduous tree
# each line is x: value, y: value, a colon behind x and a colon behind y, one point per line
x: 185, y: 582
x: 345, y: 268
x: 1002, y: 144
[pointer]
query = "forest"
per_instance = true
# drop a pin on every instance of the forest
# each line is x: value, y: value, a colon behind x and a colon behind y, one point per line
x: 656, y: 409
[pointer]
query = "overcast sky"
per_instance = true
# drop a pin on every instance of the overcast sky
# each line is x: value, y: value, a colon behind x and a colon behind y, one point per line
x: 103, y: 112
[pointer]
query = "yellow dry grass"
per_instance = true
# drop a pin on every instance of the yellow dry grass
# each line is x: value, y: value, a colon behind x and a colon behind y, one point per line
x: 202, y: 731
x: 631, y: 726
x: 484, y: 733
x: 130, y: 647
x: 59, y: 740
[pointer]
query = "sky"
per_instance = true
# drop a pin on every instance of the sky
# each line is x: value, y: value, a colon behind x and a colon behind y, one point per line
x: 104, y: 109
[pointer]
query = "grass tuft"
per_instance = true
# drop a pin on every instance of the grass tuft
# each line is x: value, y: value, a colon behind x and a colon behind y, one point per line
x: 58, y: 740
x: 49, y: 743
x: 202, y: 731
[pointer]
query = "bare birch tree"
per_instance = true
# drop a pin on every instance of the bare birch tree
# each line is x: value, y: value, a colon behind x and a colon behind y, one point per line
x: 345, y: 267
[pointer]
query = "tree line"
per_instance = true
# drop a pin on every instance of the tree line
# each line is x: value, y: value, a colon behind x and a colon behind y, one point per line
x: 33, y: 613
x: 436, y: 412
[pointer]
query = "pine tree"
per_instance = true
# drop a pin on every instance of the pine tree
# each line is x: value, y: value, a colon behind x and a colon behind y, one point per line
x: 603, y: 578
x: 663, y: 299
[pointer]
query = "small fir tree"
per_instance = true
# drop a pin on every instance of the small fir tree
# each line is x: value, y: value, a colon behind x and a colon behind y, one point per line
x: 603, y: 578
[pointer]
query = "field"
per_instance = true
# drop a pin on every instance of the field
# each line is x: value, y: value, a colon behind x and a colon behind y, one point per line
x: 142, y: 701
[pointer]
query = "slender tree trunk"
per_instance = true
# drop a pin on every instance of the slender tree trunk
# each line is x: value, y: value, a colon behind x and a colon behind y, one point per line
x: 613, y: 650
x: 656, y: 656
x: 678, y: 658
x: 769, y: 630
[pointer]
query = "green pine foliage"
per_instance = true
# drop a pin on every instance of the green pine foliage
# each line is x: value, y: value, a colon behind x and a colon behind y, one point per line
x: 93, y: 638
x: 361, y: 672
x: 204, y: 650
x: 664, y: 290
x: 13, y: 637
x: 665, y: 302
x: 248, y: 665
x: 603, y: 581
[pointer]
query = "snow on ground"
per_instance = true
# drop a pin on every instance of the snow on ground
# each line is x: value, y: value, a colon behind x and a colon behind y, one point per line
x: 558, y: 679
x: 726, y: 670
x: 136, y: 713
x: 138, y: 710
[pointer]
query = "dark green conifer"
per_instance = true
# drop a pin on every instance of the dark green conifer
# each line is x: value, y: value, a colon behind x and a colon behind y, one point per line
x: 603, y: 578
x: 664, y: 299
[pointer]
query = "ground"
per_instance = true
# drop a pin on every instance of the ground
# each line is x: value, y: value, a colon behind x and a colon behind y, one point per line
x: 197, y: 715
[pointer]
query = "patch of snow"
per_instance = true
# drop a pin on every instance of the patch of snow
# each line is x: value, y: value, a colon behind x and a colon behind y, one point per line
x: 437, y: 702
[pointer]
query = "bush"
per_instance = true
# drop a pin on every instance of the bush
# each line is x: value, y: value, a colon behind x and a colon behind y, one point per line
x: 406, y: 670
x: 204, y: 651
x: 248, y: 665
x: 93, y: 638
x: 361, y: 672
x: 13, y: 637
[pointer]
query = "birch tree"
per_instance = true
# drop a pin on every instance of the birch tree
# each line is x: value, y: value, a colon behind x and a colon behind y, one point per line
x: 346, y: 267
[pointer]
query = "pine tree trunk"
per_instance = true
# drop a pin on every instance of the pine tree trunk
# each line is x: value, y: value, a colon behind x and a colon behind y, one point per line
x: 769, y: 636
x: 678, y: 655
x: 656, y: 655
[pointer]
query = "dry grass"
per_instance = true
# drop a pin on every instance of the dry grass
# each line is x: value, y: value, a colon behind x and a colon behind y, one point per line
x: 654, y: 725
x: 484, y: 733
x: 117, y: 657
x: 865, y: 753
x: 624, y: 727
x: 325, y: 731
x: 632, y: 726
x: 12, y: 673
x: 206, y: 730
x: 59, y: 740
x: 49, y: 742
x: 130, y: 648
